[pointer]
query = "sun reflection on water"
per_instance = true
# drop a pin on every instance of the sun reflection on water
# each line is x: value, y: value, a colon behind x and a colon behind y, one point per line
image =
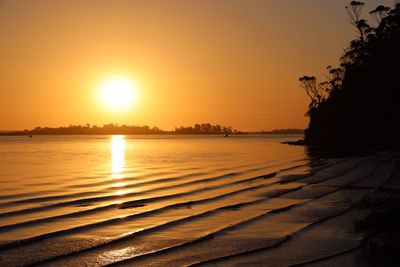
x: 117, y: 156
x: 120, y: 192
x: 119, y: 185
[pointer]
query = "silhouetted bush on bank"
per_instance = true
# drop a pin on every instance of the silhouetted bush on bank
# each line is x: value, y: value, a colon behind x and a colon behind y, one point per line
x: 357, y: 109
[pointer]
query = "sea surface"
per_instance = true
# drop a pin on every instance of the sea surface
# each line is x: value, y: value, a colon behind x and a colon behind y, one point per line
x: 163, y: 200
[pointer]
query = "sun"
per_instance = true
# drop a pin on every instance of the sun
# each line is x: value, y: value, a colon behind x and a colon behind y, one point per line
x: 118, y: 94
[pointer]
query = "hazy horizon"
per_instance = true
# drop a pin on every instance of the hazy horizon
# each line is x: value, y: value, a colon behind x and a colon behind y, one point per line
x: 233, y: 62
x: 151, y: 126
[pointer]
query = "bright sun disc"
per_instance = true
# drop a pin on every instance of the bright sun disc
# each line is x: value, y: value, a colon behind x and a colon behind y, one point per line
x: 117, y: 94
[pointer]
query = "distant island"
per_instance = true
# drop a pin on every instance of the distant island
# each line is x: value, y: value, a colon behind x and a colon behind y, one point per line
x: 197, y: 129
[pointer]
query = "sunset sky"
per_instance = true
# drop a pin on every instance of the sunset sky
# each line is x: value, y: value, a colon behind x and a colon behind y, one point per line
x: 220, y: 61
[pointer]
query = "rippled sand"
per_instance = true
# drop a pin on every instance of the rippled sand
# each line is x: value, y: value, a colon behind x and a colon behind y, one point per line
x: 178, y: 201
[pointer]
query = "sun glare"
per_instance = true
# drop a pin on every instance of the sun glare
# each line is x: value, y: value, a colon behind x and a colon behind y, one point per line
x: 118, y: 94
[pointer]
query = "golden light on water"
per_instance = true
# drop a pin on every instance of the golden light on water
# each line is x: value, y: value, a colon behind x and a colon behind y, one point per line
x: 120, y: 192
x: 119, y: 185
x: 117, y: 156
x: 118, y: 254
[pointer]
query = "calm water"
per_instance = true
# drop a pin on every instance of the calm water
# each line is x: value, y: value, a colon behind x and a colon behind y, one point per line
x: 102, y: 188
x: 177, y: 200
x: 47, y: 176
x: 61, y: 164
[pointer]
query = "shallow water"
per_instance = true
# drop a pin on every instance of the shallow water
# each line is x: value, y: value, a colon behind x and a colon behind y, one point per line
x: 68, y: 200
x: 46, y: 170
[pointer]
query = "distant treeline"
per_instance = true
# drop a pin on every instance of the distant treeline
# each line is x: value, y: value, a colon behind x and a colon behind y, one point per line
x: 88, y: 129
x: 205, y: 128
x: 198, y: 129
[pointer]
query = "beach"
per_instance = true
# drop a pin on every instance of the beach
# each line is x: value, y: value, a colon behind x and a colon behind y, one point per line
x: 182, y: 201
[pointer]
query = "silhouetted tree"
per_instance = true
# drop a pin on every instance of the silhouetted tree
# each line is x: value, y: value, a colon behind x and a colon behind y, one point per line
x: 356, y: 109
x: 354, y: 10
x: 380, y: 12
x: 316, y: 92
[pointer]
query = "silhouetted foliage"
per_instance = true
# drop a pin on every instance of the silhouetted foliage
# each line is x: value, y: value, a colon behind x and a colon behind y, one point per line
x: 88, y: 129
x: 205, y: 128
x: 354, y: 10
x: 309, y: 84
x: 356, y: 110
x: 380, y: 12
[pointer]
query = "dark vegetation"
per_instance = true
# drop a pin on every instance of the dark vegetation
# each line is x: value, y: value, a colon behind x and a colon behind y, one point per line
x: 205, y: 128
x: 356, y: 110
x: 87, y: 129
x: 197, y: 129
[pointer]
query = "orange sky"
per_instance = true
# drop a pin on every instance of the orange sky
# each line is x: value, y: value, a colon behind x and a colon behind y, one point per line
x: 219, y: 61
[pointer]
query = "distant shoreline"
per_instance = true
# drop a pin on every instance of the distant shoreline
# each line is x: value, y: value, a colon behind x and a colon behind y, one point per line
x: 110, y: 129
x: 165, y: 133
